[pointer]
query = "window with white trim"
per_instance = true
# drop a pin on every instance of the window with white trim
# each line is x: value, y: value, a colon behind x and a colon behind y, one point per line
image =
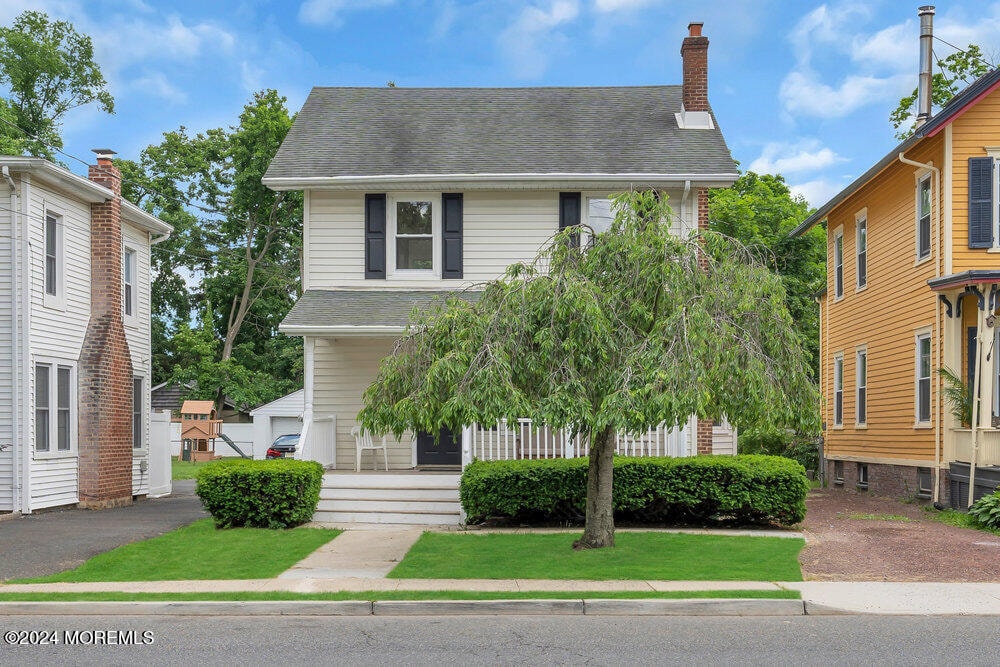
x: 924, y: 217
x: 130, y: 296
x: 838, y: 264
x: 54, y: 398
x: 861, y: 384
x: 414, y: 228
x: 861, y: 254
x: 53, y: 264
x: 138, y: 401
x: 838, y: 389
x: 923, y: 378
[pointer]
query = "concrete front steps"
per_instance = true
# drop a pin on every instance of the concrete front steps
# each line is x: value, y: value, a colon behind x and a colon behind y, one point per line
x: 423, y: 498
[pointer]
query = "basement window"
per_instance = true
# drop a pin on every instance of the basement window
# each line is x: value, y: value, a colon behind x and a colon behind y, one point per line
x: 862, y: 475
x: 925, y: 484
x: 838, y: 472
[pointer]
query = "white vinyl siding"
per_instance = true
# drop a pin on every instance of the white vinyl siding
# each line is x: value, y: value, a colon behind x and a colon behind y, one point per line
x: 344, y: 369
x: 499, y: 228
x: 7, y: 295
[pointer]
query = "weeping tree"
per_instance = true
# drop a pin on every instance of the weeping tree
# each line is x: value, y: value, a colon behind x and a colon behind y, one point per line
x: 632, y: 328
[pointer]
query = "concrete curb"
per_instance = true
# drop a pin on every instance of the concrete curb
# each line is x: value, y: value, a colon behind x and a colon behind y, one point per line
x: 596, y: 607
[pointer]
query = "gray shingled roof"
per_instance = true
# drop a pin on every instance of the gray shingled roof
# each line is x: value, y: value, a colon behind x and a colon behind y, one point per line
x: 361, y: 308
x: 343, y: 132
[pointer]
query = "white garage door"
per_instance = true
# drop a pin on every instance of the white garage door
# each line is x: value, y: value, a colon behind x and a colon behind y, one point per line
x: 284, y: 426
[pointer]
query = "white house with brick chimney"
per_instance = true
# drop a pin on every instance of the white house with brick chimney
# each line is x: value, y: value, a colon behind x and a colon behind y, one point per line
x: 411, y: 193
x: 74, y: 337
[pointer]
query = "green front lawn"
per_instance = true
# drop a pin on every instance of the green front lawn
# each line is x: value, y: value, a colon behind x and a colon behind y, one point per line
x: 199, y: 551
x: 640, y: 555
x: 397, y: 595
x: 185, y: 469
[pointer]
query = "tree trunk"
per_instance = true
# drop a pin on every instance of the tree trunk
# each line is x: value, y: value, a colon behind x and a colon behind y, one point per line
x: 599, y: 530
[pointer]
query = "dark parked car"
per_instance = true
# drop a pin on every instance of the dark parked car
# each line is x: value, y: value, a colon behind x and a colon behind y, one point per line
x: 283, y: 445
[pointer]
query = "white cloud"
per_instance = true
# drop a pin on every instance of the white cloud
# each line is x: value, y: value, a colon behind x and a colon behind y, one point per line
x: 804, y: 93
x: 157, y: 85
x: 817, y: 192
x: 327, y: 12
x: 619, y: 5
x: 804, y: 156
x: 526, y: 42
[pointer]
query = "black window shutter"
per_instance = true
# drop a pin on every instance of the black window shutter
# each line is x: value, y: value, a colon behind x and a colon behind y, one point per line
x: 451, y: 235
x: 374, y: 236
x: 980, y: 202
x: 569, y: 213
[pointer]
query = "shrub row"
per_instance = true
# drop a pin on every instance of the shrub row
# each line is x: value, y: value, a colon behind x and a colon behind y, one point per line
x: 280, y: 493
x: 745, y: 489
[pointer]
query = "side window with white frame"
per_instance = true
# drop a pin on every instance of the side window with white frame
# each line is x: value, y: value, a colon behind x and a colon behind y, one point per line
x: 130, y: 292
x: 414, y: 227
x: 138, y: 404
x: 861, y: 384
x: 55, y: 407
x: 924, y: 217
x: 922, y: 390
x: 54, y: 278
x: 861, y: 248
x: 838, y: 263
x: 838, y: 389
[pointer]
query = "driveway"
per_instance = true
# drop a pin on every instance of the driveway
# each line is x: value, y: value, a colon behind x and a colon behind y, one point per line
x: 851, y: 536
x: 50, y: 542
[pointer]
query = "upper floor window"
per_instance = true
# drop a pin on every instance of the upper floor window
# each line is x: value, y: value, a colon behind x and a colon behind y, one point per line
x: 924, y: 217
x: 861, y: 244
x: 414, y: 235
x: 129, y: 291
x: 838, y: 390
x: 54, y: 280
x: 53, y: 407
x: 838, y: 264
x: 923, y: 378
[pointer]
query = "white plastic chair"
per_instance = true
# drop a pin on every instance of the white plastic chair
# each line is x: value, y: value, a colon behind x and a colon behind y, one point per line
x: 363, y: 441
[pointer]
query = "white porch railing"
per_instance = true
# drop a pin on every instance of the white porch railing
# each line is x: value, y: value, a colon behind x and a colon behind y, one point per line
x: 525, y: 440
x: 989, y: 446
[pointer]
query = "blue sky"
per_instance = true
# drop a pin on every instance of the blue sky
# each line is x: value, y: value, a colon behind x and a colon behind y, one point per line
x: 799, y: 88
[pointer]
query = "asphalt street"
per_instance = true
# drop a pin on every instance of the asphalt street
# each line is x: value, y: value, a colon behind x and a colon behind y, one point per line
x: 490, y: 640
x: 48, y: 542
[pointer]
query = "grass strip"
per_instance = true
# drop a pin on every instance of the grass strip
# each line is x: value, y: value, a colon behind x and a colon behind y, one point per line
x: 960, y: 520
x: 645, y: 555
x: 397, y: 595
x: 199, y: 551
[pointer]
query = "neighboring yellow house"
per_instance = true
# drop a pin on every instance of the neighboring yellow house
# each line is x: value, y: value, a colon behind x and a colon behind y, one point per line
x: 913, y: 252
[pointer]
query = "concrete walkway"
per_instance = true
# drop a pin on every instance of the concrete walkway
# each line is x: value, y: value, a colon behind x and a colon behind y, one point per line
x: 356, y: 553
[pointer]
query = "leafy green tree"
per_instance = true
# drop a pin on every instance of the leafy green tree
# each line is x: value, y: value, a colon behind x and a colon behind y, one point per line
x: 956, y: 72
x: 636, y: 329
x: 237, y: 245
x: 49, y: 69
x: 759, y: 211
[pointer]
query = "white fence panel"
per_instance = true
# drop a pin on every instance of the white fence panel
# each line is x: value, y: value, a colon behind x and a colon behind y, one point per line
x: 159, y: 453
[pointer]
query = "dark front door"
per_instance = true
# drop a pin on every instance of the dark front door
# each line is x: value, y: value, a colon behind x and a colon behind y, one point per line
x: 445, y: 451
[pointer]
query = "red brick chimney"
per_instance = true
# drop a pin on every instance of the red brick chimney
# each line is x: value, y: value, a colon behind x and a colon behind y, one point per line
x: 694, y: 54
x: 105, y: 426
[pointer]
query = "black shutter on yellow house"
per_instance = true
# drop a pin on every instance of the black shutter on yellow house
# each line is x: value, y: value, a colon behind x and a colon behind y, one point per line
x: 980, y: 202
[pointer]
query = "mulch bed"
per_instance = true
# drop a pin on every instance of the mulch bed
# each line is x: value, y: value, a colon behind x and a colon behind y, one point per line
x: 843, y: 544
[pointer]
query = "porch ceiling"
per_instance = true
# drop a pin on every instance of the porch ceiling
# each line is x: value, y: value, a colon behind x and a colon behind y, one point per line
x: 360, y: 312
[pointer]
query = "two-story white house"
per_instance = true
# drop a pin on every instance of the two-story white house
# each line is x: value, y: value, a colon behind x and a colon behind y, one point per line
x: 74, y: 337
x: 412, y: 193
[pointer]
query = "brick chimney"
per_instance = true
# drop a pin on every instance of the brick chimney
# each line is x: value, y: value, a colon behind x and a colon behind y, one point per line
x: 694, y: 54
x: 105, y: 371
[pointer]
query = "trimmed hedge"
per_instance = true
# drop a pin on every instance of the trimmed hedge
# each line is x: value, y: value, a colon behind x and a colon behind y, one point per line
x: 279, y: 493
x: 745, y: 489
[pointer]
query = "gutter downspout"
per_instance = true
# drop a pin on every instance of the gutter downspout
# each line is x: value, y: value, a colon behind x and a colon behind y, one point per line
x: 15, y: 353
x: 936, y: 227
x: 24, y: 259
x: 684, y: 198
